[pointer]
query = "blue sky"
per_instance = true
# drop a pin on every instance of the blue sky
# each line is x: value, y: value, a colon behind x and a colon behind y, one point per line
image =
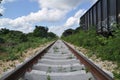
x: 57, y: 15
x: 20, y: 8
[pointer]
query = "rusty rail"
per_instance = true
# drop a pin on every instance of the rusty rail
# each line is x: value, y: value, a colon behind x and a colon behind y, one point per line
x: 16, y: 74
x: 27, y: 66
x: 98, y: 73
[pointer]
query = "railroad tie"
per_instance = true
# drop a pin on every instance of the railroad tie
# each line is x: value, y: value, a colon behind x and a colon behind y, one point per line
x: 58, y: 63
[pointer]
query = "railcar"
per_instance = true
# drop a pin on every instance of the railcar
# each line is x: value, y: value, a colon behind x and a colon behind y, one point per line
x: 102, y: 16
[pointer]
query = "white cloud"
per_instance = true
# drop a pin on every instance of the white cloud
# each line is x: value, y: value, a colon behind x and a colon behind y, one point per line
x: 50, y: 11
x: 6, y: 1
x: 46, y: 15
x: 2, y: 9
x: 71, y: 22
x: 19, y: 23
x: 59, y: 4
x: 75, y: 19
x: 15, y: 25
x: 93, y: 1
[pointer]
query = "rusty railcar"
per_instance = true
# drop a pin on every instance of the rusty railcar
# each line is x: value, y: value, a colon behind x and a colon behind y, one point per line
x: 102, y: 16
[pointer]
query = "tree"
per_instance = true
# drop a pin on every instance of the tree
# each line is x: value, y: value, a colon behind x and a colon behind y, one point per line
x: 23, y: 38
x: 51, y: 35
x: 2, y: 40
x: 40, y: 31
x: 4, y: 31
x: 18, y: 36
x: 30, y: 34
x: 68, y: 32
x: 77, y: 29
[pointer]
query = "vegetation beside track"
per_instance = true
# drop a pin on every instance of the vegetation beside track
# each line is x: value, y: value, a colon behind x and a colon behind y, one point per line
x: 107, y: 48
x: 14, y: 43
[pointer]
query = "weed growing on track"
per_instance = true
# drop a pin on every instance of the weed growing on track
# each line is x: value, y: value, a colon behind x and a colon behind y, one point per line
x: 48, y: 77
x: 55, y: 49
x: 49, y: 70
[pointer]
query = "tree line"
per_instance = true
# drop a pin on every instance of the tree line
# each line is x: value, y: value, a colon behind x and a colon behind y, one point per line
x: 13, y: 43
x: 70, y: 31
x: 12, y: 36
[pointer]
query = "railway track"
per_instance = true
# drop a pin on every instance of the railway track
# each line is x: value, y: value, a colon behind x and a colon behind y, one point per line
x: 58, y: 62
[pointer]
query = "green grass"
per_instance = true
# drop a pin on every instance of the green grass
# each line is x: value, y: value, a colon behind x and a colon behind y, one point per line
x: 49, y: 70
x: 48, y: 77
x: 14, y: 43
x: 14, y: 52
x: 105, y: 48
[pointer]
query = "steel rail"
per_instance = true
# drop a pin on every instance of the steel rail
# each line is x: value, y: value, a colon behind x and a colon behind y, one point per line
x: 18, y: 72
x: 98, y: 73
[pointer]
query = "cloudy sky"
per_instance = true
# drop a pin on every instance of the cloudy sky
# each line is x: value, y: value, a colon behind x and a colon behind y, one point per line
x: 57, y: 15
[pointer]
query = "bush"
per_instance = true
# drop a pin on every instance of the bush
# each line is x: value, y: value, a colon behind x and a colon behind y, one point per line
x: 2, y: 40
x: 16, y: 42
x: 107, y: 48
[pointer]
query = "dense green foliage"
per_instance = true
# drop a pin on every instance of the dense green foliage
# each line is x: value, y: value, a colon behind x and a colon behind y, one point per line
x: 68, y: 32
x: 13, y: 43
x: 40, y: 31
x: 108, y: 48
